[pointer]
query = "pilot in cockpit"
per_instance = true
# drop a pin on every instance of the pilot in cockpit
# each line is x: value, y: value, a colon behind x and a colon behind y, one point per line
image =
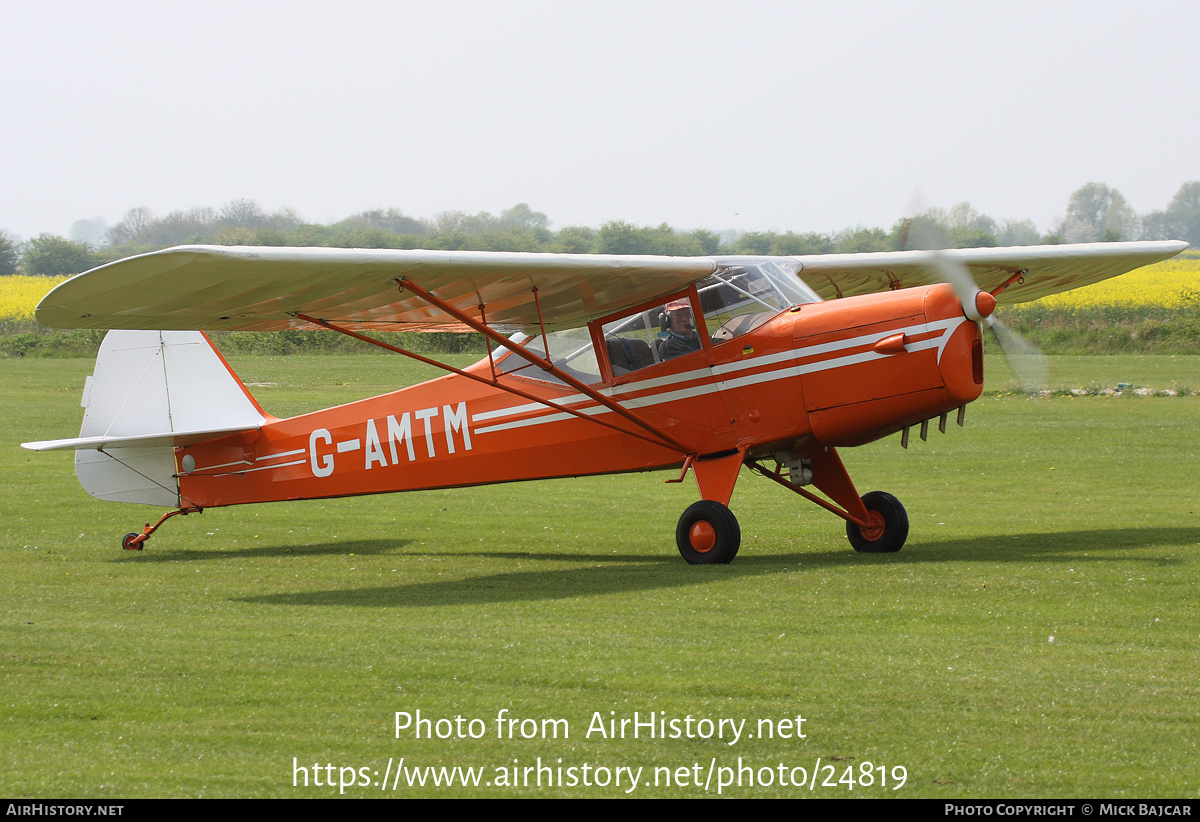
x: 682, y: 338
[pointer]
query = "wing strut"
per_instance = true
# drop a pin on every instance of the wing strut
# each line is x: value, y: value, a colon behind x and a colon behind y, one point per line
x: 544, y: 363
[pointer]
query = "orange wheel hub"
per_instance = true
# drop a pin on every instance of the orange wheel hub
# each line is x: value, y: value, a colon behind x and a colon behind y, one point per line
x: 874, y: 528
x: 702, y: 536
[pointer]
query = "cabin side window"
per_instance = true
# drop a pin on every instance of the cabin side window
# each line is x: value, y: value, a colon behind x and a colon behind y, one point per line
x: 651, y: 336
x: 570, y: 350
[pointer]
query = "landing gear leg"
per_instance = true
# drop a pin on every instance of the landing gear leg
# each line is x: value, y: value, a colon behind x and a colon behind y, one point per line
x: 876, y: 523
x: 708, y: 534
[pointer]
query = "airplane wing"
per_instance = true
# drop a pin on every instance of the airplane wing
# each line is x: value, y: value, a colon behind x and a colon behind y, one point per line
x: 260, y: 289
x: 1048, y: 269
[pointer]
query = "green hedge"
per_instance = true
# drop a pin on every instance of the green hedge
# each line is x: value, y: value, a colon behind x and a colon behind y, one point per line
x: 28, y: 339
x: 1112, y: 330
x: 1108, y: 330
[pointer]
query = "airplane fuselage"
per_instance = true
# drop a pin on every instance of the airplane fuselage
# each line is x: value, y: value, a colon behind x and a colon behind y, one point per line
x: 838, y: 373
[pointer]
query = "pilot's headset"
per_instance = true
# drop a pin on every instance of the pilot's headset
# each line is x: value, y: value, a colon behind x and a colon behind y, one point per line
x: 664, y: 318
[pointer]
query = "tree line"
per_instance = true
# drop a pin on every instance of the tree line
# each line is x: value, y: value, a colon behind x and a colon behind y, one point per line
x: 1095, y: 213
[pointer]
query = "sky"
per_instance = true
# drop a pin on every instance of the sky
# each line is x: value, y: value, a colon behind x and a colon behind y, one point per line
x: 785, y: 116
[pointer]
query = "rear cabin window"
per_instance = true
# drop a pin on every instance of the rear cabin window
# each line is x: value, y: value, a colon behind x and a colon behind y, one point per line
x: 570, y: 350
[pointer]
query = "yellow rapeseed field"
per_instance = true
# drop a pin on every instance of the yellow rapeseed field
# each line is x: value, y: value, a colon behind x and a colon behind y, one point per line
x: 1173, y: 283
x: 19, y: 295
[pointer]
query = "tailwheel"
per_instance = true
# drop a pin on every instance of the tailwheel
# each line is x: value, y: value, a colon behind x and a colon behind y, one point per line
x: 708, y: 534
x: 135, y: 542
x: 888, y: 527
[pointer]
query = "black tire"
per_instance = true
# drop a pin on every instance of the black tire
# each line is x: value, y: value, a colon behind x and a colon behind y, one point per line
x: 895, y: 526
x: 717, y: 536
x: 127, y: 542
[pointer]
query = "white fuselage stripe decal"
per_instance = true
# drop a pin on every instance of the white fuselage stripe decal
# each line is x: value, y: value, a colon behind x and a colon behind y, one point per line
x: 264, y: 468
x: 514, y: 410
x: 222, y: 465
x: 280, y: 455
x: 946, y: 327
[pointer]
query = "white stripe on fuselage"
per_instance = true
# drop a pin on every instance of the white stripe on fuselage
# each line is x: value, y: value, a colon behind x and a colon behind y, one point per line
x: 946, y: 327
x: 264, y: 458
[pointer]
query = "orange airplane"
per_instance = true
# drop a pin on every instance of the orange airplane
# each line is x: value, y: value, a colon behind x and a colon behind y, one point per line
x: 597, y: 364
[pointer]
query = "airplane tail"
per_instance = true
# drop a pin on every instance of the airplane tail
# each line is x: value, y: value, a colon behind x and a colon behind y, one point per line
x: 152, y: 391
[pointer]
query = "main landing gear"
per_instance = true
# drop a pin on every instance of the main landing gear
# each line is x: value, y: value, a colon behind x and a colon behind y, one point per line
x: 708, y: 534
x: 886, y: 529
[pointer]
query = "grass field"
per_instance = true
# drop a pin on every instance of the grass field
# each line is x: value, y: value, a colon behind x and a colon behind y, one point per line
x: 245, y: 637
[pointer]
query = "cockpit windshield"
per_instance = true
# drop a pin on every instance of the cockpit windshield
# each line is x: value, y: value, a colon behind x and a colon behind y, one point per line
x: 742, y: 296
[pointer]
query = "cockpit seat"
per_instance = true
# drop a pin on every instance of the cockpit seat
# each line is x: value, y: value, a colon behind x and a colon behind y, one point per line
x: 625, y: 354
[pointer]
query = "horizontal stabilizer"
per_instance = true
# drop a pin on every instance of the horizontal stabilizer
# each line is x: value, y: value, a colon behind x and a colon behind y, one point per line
x: 167, y: 438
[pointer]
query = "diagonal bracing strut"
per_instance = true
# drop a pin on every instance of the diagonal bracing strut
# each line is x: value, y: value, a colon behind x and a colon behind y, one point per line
x: 657, y: 437
x: 541, y: 362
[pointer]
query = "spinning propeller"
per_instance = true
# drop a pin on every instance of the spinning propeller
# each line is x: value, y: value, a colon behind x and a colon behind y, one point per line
x: 1027, y: 363
x: 1023, y: 357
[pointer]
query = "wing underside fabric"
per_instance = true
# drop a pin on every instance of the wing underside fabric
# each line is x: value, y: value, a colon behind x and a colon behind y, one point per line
x: 1044, y: 270
x: 264, y: 289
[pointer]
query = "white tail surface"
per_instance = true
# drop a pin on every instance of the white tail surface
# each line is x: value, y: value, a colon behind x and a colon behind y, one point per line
x: 152, y: 391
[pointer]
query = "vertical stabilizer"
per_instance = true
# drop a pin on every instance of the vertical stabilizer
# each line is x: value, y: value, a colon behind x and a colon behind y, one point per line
x: 152, y: 390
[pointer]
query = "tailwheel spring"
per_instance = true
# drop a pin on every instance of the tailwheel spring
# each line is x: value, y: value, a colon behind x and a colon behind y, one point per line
x: 135, y: 542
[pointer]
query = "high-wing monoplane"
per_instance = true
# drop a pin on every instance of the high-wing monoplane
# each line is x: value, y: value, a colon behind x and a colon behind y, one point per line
x: 597, y: 364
